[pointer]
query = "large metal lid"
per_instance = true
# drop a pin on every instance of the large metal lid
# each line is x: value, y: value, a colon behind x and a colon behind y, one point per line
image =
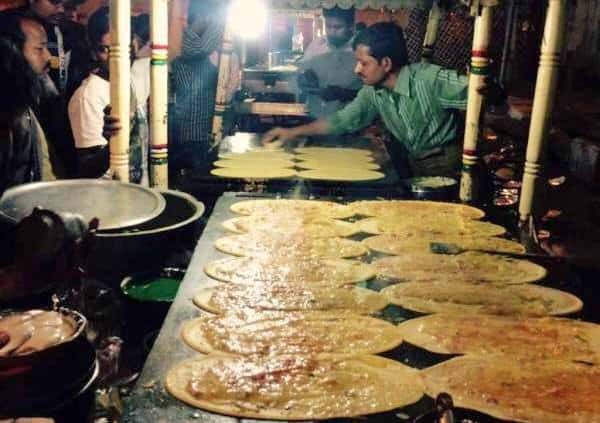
x: 116, y: 204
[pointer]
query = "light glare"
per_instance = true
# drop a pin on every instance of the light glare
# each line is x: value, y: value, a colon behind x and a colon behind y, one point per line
x: 248, y: 18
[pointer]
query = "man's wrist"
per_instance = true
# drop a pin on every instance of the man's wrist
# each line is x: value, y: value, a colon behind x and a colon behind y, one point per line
x: 295, y: 132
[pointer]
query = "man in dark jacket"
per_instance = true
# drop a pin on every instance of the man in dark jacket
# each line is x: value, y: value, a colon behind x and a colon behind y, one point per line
x: 24, y: 153
x: 66, y: 41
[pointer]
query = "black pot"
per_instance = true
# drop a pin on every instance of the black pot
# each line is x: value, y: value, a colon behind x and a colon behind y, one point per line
x: 144, y: 317
x: 419, y: 191
x: 52, y: 354
x: 52, y: 382
x: 118, y: 253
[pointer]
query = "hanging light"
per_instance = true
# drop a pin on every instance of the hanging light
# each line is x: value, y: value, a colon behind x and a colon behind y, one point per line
x: 248, y: 18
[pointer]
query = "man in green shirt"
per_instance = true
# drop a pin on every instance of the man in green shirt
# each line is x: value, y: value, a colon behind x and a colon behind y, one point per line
x: 414, y: 102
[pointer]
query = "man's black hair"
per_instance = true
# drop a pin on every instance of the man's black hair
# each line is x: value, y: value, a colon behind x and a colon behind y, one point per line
x: 140, y: 26
x: 19, y: 85
x: 98, y: 25
x: 346, y: 15
x: 360, y: 26
x: 384, y: 39
x: 73, y: 3
x: 10, y: 26
x: 212, y: 8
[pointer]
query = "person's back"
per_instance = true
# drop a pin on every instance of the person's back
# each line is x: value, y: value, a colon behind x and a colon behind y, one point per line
x: 194, y: 83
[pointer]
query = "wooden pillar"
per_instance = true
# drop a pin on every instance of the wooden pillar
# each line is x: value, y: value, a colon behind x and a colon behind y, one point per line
x: 159, y: 94
x: 543, y: 102
x: 221, y: 101
x: 479, y: 70
x: 433, y: 26
x: 120, y: 86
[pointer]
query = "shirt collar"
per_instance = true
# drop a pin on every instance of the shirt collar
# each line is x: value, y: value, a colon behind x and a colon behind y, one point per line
x: 403, y: 82
x: 402, y: 86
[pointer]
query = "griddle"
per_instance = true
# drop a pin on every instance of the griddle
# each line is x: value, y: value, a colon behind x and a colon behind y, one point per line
x: 149, y: 401
x: 202, y: 182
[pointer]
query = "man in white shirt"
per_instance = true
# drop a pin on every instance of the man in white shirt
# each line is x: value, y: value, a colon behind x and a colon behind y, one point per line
x: 86, y: 108
x: 327, y: 68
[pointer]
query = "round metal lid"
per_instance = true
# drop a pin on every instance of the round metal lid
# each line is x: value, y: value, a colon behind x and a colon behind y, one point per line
x: 116, y: 204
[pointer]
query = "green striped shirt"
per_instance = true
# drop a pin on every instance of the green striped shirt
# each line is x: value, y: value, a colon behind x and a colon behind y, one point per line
x: 417, y: 112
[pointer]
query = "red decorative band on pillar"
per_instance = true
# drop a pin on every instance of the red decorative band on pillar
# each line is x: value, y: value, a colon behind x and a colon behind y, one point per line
x: 479, y: 53
x: 159, y: 46
x: 470, y: 153
x: 159, y: 147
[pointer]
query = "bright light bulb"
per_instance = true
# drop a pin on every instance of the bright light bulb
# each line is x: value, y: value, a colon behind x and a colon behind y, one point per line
x: 248, y: 18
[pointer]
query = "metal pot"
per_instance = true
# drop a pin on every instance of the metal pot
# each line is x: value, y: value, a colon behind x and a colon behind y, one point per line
x: 125, y: 251
x: 51, y: 354
x: 89, y: 198
x: 432, y: 188
x: 45, y: 382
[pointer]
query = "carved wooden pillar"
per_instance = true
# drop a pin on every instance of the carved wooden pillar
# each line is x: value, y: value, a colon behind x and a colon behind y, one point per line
x: 120, y: 91
x: 543, y: 103
x: 479, y: 70
x: 159, y: 36
x: 433, y: 26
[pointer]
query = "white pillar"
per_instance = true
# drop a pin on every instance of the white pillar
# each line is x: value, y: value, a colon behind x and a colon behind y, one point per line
x: 120, y: 91
x: 479, y: 70
x: 543, y: 104
x: 433, y: 26
x: 159, y: 94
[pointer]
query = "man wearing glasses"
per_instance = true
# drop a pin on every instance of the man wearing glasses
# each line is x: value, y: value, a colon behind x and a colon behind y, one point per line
x: 86, y: 108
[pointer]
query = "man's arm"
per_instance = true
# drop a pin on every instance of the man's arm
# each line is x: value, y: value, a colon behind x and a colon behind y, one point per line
x: 356, y: 115
x: 282, y: 135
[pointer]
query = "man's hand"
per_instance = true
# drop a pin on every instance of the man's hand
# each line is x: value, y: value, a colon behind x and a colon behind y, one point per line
x: 277, y: 136
x: 493, y: 92
x: 112, y: 124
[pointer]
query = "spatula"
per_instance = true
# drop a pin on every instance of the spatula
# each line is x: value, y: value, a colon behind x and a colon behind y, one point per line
x: 454, y: 249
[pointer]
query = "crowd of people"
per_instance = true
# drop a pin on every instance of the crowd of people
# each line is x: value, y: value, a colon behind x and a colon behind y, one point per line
x: 55, y: 92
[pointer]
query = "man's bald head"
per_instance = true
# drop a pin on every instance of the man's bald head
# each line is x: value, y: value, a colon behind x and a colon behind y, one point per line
x: 35, y: 47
